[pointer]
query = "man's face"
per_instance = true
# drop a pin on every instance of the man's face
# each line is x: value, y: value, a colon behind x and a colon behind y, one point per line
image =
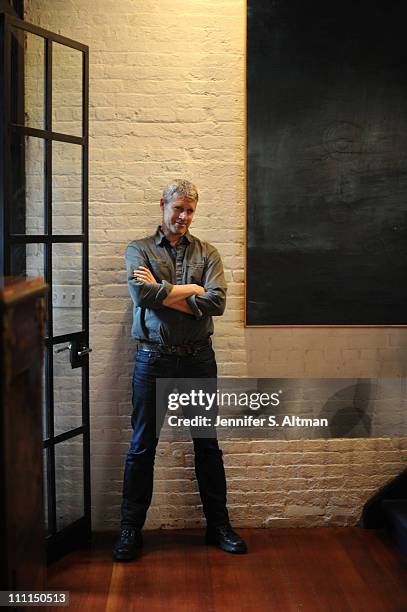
x: 178, y: 214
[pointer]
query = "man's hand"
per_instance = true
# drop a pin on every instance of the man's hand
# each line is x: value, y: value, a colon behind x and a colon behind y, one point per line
x: 144, y: 275
x: 199, y: 290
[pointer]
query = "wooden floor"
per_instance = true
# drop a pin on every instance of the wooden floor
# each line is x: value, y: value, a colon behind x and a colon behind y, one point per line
x: 287, y: 570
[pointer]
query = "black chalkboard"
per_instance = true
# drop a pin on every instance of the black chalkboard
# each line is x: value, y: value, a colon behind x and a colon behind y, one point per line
x: 327, y: 163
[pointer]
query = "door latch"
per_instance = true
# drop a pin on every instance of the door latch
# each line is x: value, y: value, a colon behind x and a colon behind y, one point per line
x: 77, y: 353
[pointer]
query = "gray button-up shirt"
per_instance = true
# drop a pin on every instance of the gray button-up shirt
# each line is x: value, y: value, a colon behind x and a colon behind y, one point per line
x: 191, y: 261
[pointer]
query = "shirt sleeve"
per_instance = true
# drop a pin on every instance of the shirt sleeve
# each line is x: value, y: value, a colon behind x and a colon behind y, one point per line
x: 145, y: 295
x: 213, y: 301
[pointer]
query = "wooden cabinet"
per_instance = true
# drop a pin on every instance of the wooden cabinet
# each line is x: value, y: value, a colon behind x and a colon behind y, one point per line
x: 22, y: 537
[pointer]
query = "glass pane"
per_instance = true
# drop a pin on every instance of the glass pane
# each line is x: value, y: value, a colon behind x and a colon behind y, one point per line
x: 67, y: 392
x: 66, y: 188
x: 27, y: 184
x: 67, y: 288
x: 28, y: 107
x: 27, y: 260
x: 66, y: 90
x: 69, y: 481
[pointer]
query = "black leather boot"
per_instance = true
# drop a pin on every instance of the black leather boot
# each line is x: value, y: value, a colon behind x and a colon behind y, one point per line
x: 224, y: 537
x: 127, y: 545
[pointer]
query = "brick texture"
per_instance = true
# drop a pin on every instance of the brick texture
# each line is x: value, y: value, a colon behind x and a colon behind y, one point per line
x: 167, y: 83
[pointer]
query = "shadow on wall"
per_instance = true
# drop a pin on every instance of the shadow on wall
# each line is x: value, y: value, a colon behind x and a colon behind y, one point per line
x: 355, y: 417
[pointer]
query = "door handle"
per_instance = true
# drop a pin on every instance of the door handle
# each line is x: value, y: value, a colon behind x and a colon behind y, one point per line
x: 64, y: 348
x: 85, y: 351
x: 77, y: 351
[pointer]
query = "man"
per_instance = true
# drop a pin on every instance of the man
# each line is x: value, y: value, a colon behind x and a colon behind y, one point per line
x: 177, y: 284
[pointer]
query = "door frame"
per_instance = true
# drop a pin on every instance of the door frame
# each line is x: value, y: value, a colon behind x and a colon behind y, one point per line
x: 78, y: 532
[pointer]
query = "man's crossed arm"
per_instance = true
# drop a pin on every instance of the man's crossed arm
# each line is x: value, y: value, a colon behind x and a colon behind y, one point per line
x: 199, y: 301
x: 176, y: 299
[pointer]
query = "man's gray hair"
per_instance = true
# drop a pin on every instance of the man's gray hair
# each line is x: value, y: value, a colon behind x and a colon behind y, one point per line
x: 180, y: 188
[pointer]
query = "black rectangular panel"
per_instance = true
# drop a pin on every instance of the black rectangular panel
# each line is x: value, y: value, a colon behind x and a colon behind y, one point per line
x: 327, y: 163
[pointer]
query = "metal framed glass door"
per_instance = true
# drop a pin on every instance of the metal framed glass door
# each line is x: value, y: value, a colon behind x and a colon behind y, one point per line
x: 44, y: 223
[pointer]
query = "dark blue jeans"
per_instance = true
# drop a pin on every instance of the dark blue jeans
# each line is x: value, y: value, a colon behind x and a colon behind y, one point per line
x: 139, y: 468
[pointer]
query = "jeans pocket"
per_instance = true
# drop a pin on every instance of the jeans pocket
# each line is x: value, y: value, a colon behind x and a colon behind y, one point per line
x: 149, y: 357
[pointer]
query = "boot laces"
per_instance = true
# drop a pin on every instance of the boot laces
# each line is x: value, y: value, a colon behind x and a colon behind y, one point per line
x: 126, y: 535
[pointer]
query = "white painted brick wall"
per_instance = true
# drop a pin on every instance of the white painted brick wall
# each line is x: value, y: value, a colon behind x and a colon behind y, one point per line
x: 167, y: 99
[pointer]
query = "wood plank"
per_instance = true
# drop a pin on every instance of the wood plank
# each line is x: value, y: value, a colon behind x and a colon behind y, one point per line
x: 286, y: 570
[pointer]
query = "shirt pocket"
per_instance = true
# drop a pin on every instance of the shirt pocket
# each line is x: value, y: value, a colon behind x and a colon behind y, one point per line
x: 194, y: 272
x: 160, y: 269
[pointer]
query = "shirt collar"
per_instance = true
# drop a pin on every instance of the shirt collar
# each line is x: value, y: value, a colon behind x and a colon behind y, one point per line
x: 160, y: 239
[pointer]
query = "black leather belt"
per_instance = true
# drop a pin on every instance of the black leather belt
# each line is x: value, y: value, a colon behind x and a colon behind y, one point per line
x: 176, y: 349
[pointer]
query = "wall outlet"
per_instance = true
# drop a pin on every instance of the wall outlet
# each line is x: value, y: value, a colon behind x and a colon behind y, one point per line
x: 67, y: 296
